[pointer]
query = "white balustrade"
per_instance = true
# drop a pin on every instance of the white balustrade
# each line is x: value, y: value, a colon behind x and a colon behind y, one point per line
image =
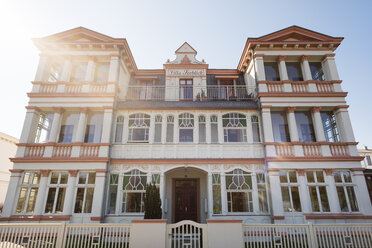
x: 62, y: 150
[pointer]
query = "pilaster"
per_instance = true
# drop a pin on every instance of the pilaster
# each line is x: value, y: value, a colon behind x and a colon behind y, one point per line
x: 89, y: 77
x: 276, y: 193
x: 66, y: 72
x: 332, y: 192
x: 220, y: 129
x: 282, y: 68
x: 30, y: 125
x: 362, y: 192
x: 305, y: 67
x: 176, y: 133
x: 304, y: 196
x: 11, y: 195
x: 114, y: 68
x: 208, y: 128
x: 82, y: 123
x: 329, y: 67
x: 260, y: 68
x: 196, y: 128
x: 97, y: 205
x: 41, y: 69
x: 56, y: 124
x: 223, y: 194
x: 164, y: 128
x: 42, y: 192
x: 344, y: 124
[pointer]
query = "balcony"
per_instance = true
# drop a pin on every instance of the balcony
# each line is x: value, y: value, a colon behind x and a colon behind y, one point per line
x: 63, y: 89
x: 301, y: 88
x: 190, y: 93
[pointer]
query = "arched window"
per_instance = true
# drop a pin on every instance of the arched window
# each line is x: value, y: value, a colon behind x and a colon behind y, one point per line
x: 239, y: 191
x: 234, y: 127
x: 134, y: 189
x: 255, y: 128
x: 119, y: 129
x: 186, y: 127
x: 170, y: 128
x: 202, y: 129
x: 158, y: 122
x: 214, y: 129
x: 138, y: 125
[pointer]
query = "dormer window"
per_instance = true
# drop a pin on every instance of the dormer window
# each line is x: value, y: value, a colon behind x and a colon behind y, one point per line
x: 186, y: 92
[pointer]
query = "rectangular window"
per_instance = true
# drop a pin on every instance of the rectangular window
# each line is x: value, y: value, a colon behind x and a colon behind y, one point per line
x: 56, y: 192
x: 139, y: 126
x: 155, y: 179
x: 330, y: 127
x: 305, y: 126
x: 290, y: 193
x: 368, y: 159
x: 317, y: 191
x: 158, y: 127
x: 294, y: 71
x: 84, y: 192
x: 239, y: 191
x: 55, y: 71
x: 255, y: 128
x: 272, y: 71
x: 216, y: 187
x: 68, y: 127
x: 235, y: 127
x: 113, y: 191
x: 119, y: 129
x: 28, y: 192
x: 186, y: 89
x: 93, y: 131
x: 79, y: 71
x: 317, y: 71
x: 280, y: 127
x: 262, y: 193
x: 170, y: 128
x: 214, y: 129
x: 186, y: 127
x: 345, y: 191
x: 202, y: 129
x: 134, y: 189
x: 43, y: 128
x: 102, y: 72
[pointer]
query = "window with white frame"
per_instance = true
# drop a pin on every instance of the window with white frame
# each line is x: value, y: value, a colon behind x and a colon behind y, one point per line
x: 345, y: 191
x: 234, y: 127
x: 186, y: 127
x: 101, y: 72
x: 84, y: 192
x: 216, y: 187
x: 330, y: 126
x: 55, y: 71
x: 113, y: 191
x: 28, y: 192
x: 214, y: 129
x: 93, y: 131
x: 79, y: 71
x: 290, y: 194
x: 158, y: 124
x: 317, y: 191
x: 43, y: 128
x: 119, y: 129
x: 155, y: 179
x: 56, y: 192
x: 317, y: 71
x: 255, y: 128
x: 134, y: 189
x: 139, y: 125
x: 262, y: 192
x: 202, y: 129
x: 170, y: 128
x: 239, y: 191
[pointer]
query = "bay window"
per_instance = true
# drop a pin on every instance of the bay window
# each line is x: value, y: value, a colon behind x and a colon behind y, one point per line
x: 93, y: 131
x: 294, y: 71
x: 84, y: 192
x: 44, y: 127
x: 317, y: 191
x: 330, y: 127
x: 271, y: 71
x: 139, y: 125
x: 56, y: 192
x: 134, y: 189
x: 290, y: 193
x: 235, y: 127
x: 345, y: 191
x: 239, y: 191
x: 68, y: 127
x: 305, y: 127
x: 28, y: 192
x: 186, y: 127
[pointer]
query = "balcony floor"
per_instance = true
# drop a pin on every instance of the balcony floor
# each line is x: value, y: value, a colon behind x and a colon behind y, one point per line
x: 250, y: 104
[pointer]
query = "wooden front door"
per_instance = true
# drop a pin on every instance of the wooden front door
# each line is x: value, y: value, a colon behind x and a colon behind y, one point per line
x: 186, y: 199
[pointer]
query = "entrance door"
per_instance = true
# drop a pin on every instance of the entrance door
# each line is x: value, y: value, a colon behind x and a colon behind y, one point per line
x: 186, y: 199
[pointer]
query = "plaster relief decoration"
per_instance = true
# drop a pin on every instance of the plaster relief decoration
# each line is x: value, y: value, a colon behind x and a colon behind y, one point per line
x: 185, y: 55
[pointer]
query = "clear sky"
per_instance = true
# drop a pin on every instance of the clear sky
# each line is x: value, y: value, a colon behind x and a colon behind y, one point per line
x: 155, y: 29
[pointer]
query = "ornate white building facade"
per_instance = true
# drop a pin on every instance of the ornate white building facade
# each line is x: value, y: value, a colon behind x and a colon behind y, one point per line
x: 268, y: 142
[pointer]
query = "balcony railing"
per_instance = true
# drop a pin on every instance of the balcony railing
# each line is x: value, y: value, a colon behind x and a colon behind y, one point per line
x: 300, y: 87
x: 193, y: 93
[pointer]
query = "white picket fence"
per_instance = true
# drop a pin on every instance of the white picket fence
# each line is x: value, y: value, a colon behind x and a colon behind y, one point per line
x: 185, y: 234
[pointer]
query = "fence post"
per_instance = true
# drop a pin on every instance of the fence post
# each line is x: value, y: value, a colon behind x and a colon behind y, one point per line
x: 61, y: 235
x: 311, y: 236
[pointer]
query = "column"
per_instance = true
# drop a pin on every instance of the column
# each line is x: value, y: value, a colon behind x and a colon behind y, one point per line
x: 176, y: 129
x: 305, y: 67
x: 332, y: 192
x: 30, y: 125
x: 42, y: 192
x: 196, y: 128
x: 220, y: 129
x: 66, y: 72
x: 319, y: 131
x: 162, y: 192
x: 70, y: 193
x: 268, y: 131
x: 282, y: 68
x: 89, y: 77
x: 57, y: 117
x: 304, y: 196
x: 114, y: 68
x: 152, y: 128
x: 125, y: 128
x: 106, y: 131
x: 329, y: 67
x: 164, y: 128
x: 256, y: 207
x: 223, y: 194
x: 210, y: 195
x: 11, y: 197
x: 41, y: 69
x: 260, y: 67
x: 361, y: 191
x: 344, y: 124
x: 80, y: 132
x: 293, y: 132
x: 97, y: 205
x: 249, y: 129
x: 275, y: 193
x: 208, y: 128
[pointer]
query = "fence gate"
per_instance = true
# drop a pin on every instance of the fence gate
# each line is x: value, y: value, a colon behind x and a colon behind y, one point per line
x: 187, y: 234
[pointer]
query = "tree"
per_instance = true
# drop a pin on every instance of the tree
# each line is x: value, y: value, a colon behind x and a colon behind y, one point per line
x: 152, y: 202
